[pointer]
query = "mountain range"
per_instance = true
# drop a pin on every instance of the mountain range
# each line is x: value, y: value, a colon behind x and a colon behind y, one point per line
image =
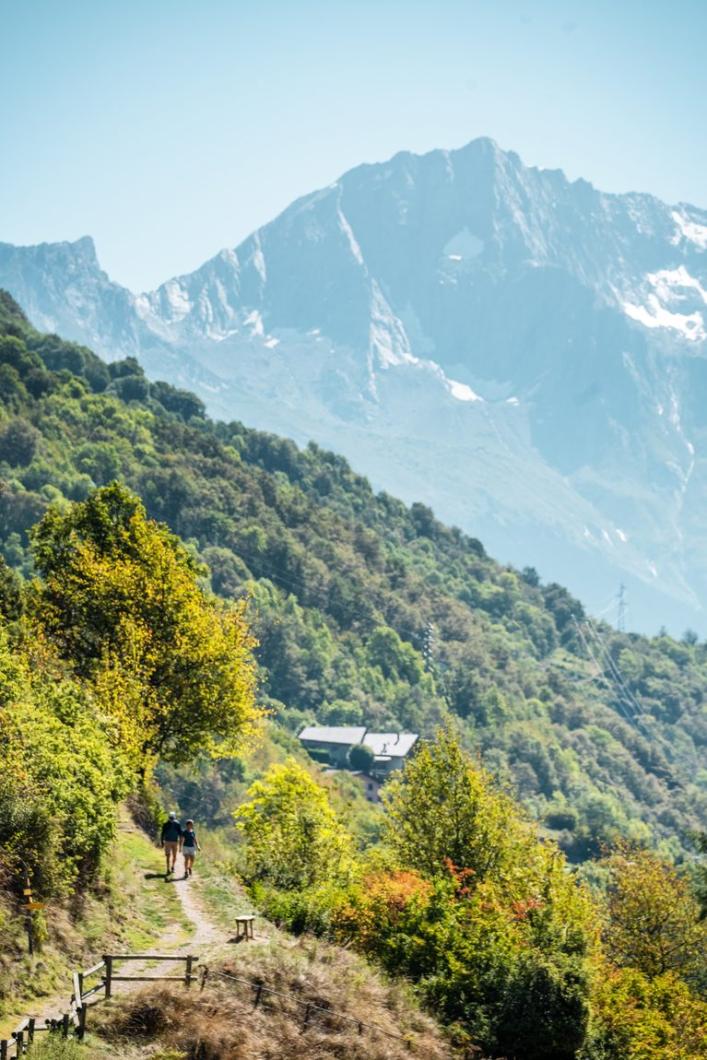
x: 526, y: 354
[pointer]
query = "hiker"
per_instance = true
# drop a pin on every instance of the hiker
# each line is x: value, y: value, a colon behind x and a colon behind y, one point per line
x: 190, y: 845
x: 170, y: 840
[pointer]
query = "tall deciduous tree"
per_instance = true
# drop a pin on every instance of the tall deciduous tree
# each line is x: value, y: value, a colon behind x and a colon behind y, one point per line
x: 443, y: 809
x: 121, y: 598
x: 294, y: 836
x: 654, y: 922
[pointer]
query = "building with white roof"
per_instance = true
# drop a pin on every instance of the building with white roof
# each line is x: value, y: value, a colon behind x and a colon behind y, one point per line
x: 335, y: 740
x: 390, y: 749
x: 333, y: 743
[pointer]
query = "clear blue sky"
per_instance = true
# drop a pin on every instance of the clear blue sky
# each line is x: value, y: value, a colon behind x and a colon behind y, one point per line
x: 168, y: 129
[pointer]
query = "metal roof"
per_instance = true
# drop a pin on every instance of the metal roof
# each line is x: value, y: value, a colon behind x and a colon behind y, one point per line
x: 392, y: 744
x: 339, y: 734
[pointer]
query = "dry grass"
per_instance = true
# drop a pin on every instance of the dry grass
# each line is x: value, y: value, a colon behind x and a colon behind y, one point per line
x: 130, y: 911
x: 222, y: 1023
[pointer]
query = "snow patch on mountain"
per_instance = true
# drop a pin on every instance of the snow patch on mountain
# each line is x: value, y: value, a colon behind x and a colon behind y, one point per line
x: 461, y: 391
x: 669, y: 282
x: 254, y: 322
x: 670, y: 290
x: 388, y: 339
x: 654, y: 315
x: 258, y: 258
x: 177, y: 299
x: 690, y: 230
x: 348, y: 232
x: 142, y: 305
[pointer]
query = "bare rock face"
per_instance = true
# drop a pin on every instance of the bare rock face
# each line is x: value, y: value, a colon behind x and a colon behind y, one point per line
x: 525, y: 354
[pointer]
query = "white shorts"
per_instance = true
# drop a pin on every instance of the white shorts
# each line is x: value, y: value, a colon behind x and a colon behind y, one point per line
x: 189, y: 852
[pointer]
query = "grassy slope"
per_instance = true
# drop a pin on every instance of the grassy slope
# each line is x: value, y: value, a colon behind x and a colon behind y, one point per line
x: 223, y: 1023
x: 151, y: 1023
x: 131, y: 912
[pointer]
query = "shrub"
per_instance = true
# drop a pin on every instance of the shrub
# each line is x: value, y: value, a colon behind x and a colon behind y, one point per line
x: 18, y: 442
x: 637, y: 1018
x: 361, y: 758
x: 294, y: 838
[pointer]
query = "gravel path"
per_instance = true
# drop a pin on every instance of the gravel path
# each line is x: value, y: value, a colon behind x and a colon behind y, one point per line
x: 206, y: 933
x: 204, y: 936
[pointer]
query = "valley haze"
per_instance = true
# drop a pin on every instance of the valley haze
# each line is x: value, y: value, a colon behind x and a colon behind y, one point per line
x: 525, y: 354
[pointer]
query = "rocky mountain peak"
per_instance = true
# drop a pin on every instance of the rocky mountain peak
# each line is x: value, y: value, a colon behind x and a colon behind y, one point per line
x: 526, y: 353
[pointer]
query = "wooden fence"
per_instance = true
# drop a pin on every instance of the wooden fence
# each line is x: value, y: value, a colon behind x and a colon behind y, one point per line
x: 73, y: 1021
x: 104, y: 975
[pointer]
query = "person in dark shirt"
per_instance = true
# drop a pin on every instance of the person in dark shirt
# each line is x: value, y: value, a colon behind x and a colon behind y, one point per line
x: 190, y: 845
x: 170, y: 839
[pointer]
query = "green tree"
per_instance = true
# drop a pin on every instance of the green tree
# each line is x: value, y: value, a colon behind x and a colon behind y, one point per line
x: 393, y: 656
x: 18, y: 442
x: 294, y: 838
x: 63, y: 772
x: 362, y: 758
x: 654, y: 923
x: 442, y: 809
x: 10, y: 594
x: 635, y: 1017
x: 121, y: 598
x: 700, y: 872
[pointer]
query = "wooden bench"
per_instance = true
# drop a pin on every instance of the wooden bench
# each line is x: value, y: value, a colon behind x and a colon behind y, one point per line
x: 245, y: 928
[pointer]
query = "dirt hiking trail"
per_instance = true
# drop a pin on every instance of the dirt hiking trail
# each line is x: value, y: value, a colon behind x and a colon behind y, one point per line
x: 205, y: 937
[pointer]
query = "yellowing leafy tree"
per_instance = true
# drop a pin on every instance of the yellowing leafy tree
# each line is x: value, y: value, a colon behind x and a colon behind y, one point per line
x: 473, y: 908
x: 654, y: 921
x: 121, y: 599
x: 294, y: 838
x: 639, y: 1018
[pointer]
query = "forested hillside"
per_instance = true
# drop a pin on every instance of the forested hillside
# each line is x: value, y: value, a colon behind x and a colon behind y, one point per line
x: 600, y: 733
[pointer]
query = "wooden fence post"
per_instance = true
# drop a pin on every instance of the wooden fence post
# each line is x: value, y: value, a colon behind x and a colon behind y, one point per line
x: 29, y: 923
x: 187, y: 972
x: 258, y: 992
x: 3, y: 1049
x: 108, y: 961
x: 82, y: 1021
x: 30, y: 1029
x: 65, y: 1025
x: 20, y: 1042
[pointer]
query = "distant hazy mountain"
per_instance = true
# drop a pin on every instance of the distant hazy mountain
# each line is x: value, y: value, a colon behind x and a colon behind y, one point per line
x: 525, y: 354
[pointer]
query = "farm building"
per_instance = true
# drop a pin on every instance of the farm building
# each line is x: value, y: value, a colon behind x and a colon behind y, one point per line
x: 333, y: 743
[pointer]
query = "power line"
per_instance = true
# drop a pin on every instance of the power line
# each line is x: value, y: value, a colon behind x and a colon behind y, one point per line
x: 618, y: 676
x: 622, y: 689
x: 624, y: 692
x: 601, y: 673
x: 423, y: 639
